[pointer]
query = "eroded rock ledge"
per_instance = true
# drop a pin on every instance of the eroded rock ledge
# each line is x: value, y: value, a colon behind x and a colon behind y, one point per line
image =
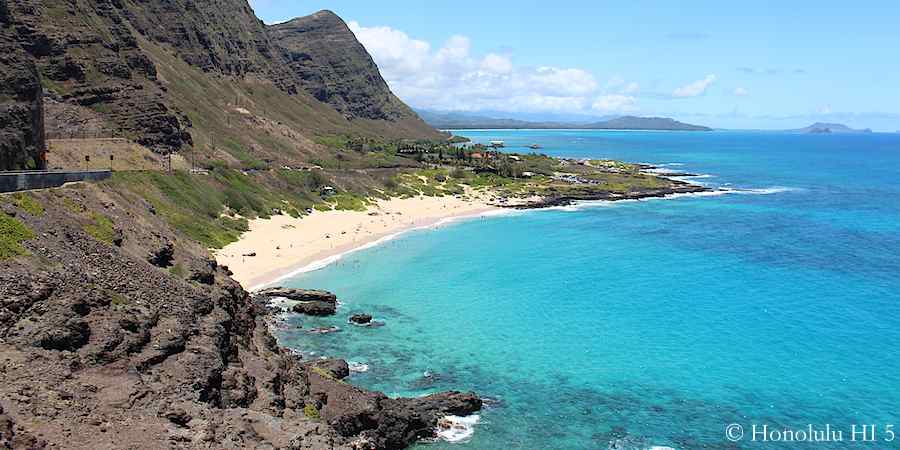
x: 309, y: 302
x: 100, y: 348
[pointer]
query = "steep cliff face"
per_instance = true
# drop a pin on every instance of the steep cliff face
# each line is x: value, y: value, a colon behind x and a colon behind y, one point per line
x: 335, y: 68
x: 218, y: 36
x: 122, y: 59
x: 89, y: 57
x: 21, y: 103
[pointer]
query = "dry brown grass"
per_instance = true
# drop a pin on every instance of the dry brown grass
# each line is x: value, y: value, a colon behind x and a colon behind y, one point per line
x: 68, y: 154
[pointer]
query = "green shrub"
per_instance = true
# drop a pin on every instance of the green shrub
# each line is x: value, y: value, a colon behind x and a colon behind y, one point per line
x: 349, y: 202
x: 73, y: 206
x: 28, y: 204
x: 117, y: 300
x: 12, y: 234
x: 332, y: 141
x: 102, y: 228
x: 311, y: 412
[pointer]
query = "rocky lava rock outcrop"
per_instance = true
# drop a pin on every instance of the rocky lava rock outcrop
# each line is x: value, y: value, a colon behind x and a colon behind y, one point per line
x: 99, y: 348
x: 309, y: 302
x: 361, y: 319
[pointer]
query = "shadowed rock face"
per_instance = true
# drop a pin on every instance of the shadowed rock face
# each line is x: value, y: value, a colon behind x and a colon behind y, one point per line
x: 21, y: 102
x: 90, y: 57
x: 331, y: 64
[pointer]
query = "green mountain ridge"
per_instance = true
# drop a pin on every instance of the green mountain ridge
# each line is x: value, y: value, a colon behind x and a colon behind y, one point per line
x: 335, y: 68
x: 209, y: 76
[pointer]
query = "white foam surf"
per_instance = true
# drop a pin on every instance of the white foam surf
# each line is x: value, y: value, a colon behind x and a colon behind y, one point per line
x: 581, y: 205
x: 763, y: 191
x: 456, y: 429
x: 358, y: 367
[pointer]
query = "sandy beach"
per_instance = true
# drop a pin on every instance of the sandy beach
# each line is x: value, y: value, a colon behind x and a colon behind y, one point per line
x: 284, y: 245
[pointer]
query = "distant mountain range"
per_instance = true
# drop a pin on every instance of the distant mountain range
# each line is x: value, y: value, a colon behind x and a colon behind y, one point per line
x: 828, y: 128
x: 646, y: 123
x: 460, y: 120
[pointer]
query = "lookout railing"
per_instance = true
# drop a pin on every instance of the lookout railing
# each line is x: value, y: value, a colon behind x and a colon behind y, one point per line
x: 44, y: 179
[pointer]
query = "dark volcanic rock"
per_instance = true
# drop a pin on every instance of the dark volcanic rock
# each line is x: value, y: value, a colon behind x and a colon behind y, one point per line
x: 21, y: 104
x: 300, y: 295
x: 315, y: 308
x: 336, y: 368
x: 361, y: 319
x: 178, y: 416
x: 162, y: 256
x: 388, y: 423
x: 677, y: 187
x: 311, y: 302
x: 206, y: 273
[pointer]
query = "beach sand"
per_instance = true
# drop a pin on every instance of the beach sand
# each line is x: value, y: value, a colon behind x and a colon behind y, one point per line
x: 285, y: 245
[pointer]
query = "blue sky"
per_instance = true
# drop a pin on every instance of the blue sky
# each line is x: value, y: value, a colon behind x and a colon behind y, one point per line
x: 761, y: 64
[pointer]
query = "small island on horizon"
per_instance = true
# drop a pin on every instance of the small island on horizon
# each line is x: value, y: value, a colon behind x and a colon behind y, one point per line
x: 830, y: 128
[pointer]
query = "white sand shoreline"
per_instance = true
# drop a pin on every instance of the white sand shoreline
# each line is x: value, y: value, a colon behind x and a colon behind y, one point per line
x: 286, y: 246
x: 324, y: 262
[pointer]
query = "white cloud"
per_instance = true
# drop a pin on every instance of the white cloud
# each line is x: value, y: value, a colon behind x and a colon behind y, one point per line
x: 632, y: 88
x: 824, y: 110
x: 452, y: 78
x: 696, y: 88
x: 615, y: 103
x: 397, y: 50
x: 496, y: 64
x: 741, y: 92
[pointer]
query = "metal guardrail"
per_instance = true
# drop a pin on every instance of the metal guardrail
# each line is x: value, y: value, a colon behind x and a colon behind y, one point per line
x: 43, y: 179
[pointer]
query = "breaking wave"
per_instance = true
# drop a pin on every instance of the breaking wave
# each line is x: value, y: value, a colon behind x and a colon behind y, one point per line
x: 457, y: 429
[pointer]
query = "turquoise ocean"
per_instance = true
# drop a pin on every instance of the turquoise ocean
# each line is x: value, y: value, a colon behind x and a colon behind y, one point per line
x: 656, y: 323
